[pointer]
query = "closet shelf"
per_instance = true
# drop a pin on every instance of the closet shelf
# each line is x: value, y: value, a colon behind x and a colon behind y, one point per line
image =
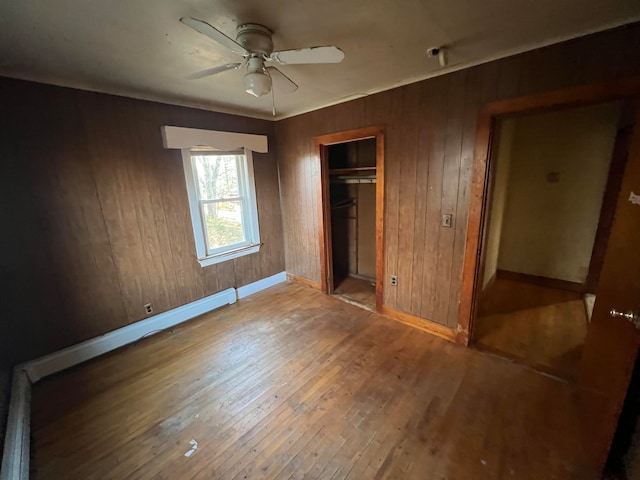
x: 339, y: 171
x: 354, y: 179
x: 346, y: 203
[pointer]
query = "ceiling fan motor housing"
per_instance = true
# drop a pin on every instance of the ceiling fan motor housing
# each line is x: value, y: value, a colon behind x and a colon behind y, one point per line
x: 255, y: 38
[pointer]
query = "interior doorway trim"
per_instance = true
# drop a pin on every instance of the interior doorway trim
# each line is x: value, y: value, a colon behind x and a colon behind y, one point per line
x: 571, y: 97
x: 324, y: 207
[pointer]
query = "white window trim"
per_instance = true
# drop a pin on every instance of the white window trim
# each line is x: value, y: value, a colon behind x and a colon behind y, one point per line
x: 252, y: 229
x: 182, y: 137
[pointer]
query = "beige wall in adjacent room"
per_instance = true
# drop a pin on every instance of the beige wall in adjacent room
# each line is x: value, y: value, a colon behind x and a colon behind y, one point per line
x: 499, y: 198
x: 558, y: 173
x: 366, y: 222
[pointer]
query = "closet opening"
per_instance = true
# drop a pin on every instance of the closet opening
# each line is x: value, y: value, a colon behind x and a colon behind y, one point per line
x: 351, y: 220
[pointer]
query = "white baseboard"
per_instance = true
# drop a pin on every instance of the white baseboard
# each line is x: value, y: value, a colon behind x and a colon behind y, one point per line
x: 68, y: 357
x: 15, y: 458
x: 255, y: 287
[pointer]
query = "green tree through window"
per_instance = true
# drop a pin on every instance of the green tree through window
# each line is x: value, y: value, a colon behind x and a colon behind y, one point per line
x: 221, y: 197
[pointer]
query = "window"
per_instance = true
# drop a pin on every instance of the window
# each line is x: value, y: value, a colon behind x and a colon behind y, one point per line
x: 223, y: 206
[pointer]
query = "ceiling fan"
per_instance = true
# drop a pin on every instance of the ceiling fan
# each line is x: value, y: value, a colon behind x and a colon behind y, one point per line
x: 253, y: 42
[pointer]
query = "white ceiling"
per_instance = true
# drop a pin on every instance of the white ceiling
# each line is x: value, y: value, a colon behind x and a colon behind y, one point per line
x: 138, y: 48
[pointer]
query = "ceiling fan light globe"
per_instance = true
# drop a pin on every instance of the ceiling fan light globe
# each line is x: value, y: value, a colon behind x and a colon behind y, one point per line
x: 257, y: 84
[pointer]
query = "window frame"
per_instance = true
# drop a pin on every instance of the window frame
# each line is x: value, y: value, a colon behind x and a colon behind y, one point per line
x: 248, y: 205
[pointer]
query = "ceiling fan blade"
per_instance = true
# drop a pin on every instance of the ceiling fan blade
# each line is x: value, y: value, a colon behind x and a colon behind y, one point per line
x: 213, y: 33
x: 213, y: 71
x: 328, y: 54
x: 283, y: 83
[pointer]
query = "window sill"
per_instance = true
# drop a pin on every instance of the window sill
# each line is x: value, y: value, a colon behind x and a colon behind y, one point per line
x: 230, y: 255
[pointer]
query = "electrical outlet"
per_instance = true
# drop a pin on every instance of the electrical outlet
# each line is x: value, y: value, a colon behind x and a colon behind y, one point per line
x: 148, y: 308
x: 394, y: 281
x: 447, y: 220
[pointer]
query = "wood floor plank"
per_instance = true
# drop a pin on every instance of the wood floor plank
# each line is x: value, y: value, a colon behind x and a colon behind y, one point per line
x: 293, y: 384
x: 538, y: 326
x: 359, y: 291
x: 325, y: 393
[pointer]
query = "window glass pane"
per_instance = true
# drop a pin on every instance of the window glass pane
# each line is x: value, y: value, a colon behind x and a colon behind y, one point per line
x: 223, y: 222
x: 217, y: 176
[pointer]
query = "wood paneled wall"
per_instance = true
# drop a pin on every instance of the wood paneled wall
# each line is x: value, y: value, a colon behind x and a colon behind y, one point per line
x: 430, y: 134
x: 95, y: 219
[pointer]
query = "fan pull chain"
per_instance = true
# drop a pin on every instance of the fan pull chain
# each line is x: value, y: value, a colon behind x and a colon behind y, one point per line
x: 273, y: 101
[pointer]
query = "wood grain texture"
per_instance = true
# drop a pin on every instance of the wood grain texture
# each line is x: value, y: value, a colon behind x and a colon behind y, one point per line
x: 430, y: 131
x: 534, y: 325
x: 476, y: 218
x: 380, y: 216
x: 607, y: 211
x: 554, y: 283
x: 358, y: 291
x: 292, y: 384
x: 303, y: 281
x: 420, y: 323
x: 613, y: 343
x: 325, y: 226
x: 99, y: 216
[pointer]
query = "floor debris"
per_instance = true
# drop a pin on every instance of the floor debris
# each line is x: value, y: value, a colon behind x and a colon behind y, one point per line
x: 194, y: 447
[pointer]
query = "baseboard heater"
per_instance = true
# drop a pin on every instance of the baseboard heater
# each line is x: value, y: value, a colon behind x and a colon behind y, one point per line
x: 15, y: 458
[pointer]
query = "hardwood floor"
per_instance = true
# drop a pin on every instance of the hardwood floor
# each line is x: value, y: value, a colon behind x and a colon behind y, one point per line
x: 541, y: 327
x: 293, y: 384
x: 358, y: 291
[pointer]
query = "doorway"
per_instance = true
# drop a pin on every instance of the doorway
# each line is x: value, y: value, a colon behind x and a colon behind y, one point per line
x: 554, y: 179
x: 351, y: 215
x: 613, y: 335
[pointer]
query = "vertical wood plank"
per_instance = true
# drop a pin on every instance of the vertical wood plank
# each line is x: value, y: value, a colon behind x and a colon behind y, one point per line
x: 392, y: 195
x: 415, y: 246
x: 103, y: 221
x: 473, y: 100
x: 429, y: 284
x: 425, y: 120
x: 407, y: 159
x: 451, y: 171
